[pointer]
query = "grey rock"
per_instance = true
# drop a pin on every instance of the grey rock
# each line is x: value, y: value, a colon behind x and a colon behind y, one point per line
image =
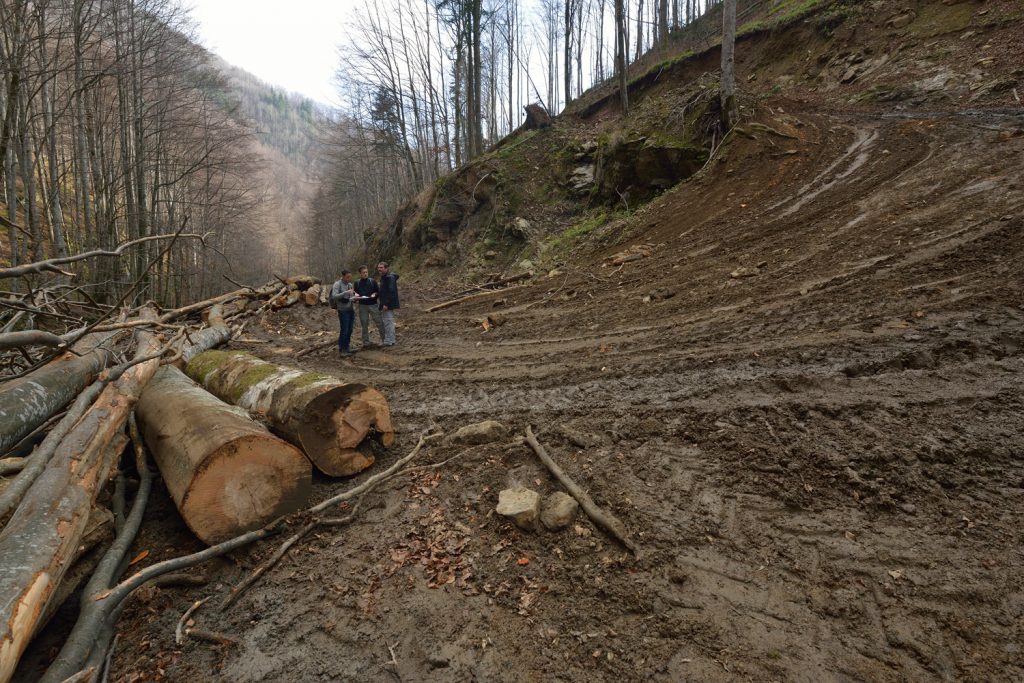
x: 582, y: 177
x: 521, y: 505
x: 480, y: 433
x: 559, y: 511
x: 521, y: 228
x: 902, y: 21
x: 580, y: 439
x: 438, y: 661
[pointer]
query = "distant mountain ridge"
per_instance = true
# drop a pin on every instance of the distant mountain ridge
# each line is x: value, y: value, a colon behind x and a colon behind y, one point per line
x: 287, y: 130
x: 287, y: 122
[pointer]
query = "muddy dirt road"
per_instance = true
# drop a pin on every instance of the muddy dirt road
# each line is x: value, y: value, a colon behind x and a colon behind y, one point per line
x: 807, y: 405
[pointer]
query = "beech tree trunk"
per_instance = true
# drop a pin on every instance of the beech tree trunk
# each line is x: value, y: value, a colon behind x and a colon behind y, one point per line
x: 620, y: 55
x: 99, y: 531
x: 729, y: 110
x: 30, y: 401
x: 324, y: 416
x: 39, y: 543
x: 226, y: 473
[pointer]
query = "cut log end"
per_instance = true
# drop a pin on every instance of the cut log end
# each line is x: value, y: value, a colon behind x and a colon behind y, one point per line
x: 338, y: 421
x: 245, y: 484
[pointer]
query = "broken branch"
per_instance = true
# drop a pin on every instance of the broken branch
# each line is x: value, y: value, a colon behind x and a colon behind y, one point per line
x: 605, y: 520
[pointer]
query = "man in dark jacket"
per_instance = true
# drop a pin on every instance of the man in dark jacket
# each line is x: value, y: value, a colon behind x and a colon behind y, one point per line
x: 388, y: 297
x: 369, y: 304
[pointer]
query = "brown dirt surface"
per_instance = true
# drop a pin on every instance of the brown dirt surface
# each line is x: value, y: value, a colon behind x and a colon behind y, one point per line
x: 820, y: 457
x: 805, y: 401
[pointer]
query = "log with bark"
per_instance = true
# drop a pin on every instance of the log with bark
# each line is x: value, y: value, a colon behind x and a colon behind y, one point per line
x: 311, y: 297
x: 99, y: 531
x: 28, y: 402
x: 471, y: 297
x: 38, y: 544
x: 495, y: 284
x: 226, y: 473
x: 215, y: 334
x: 321, y: 414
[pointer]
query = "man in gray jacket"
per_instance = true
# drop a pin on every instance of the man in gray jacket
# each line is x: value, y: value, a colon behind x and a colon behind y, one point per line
x: 341, y: 300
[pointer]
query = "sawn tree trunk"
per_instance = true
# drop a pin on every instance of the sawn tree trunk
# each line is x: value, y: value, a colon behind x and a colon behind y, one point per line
x: 324, y: 416
x: 226, y: 473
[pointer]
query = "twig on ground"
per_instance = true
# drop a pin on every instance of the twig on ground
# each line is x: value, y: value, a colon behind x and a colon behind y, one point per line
x: 109, y: 658
x: 607, y: 521
x: 267, y: 564
x: 212, y: 637
x: 473, y: 297
x: 360, y: 490
x: 393, y: 663
x: 316, y: 347
x: 179, y: 630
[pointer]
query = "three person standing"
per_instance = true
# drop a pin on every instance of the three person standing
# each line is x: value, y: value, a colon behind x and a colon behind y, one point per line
x: 378, y: 302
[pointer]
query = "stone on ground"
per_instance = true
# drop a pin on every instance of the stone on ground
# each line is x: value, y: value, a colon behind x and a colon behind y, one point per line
x: 480, y: 433
x: 521, y: 505
x: 559, y: 511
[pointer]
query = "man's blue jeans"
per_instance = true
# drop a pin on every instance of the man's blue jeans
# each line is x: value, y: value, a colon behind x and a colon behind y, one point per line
x: 347, y: 321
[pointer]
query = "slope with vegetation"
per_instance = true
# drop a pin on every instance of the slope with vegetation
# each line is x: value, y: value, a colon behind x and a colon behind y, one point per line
x: 592, y: 168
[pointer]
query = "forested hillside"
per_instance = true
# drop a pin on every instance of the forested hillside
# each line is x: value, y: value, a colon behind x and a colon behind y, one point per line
x: 289, y: 133
x: 117, y: 127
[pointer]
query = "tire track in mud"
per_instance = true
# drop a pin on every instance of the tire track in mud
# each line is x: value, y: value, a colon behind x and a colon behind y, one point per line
x: 824, y: 462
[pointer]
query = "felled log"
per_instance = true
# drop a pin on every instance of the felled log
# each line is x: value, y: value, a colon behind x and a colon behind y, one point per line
x: 215, y: 334
x: 226, y: 473
x: 285, y: 299
x: 500, y: 282
x: 243, y: 293
x: 302, y: 282
x: 30, y: 401
x: 471, y: 297
x: 38, y: 544
x: 321, y: 414
x: 99, y: 530
x: 311, y: 297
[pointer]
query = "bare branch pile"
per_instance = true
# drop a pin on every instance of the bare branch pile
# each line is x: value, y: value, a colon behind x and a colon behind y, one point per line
x: 72, y: 378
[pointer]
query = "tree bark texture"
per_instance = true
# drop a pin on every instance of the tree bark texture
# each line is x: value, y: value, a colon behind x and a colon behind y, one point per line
x: 38, y: 544
x: 321, y: 414
x: 729, y: 113
x: 30, y: 401
x: 226, y: 473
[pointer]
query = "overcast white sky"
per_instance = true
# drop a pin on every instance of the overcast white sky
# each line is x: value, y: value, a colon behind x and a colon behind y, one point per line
x: 292, y: 44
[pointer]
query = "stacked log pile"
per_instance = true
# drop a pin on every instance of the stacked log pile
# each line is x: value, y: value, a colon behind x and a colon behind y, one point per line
x: 67, y: 399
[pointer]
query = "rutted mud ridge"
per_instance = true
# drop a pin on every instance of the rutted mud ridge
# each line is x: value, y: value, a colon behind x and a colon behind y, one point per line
x: 814, y: 430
